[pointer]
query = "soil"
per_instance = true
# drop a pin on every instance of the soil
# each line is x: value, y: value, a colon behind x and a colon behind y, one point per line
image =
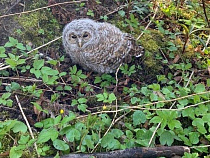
x: 8, y: 25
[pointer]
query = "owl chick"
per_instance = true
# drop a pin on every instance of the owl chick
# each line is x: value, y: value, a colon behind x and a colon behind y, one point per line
x: 99, y: 47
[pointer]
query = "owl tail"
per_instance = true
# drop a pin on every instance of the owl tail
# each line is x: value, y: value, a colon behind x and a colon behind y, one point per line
x: 139, y: 51
x: 136, y: 50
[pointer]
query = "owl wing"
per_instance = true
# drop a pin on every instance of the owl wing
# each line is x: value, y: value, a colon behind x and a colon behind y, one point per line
x: 111, y: 48
x: 112, y: 45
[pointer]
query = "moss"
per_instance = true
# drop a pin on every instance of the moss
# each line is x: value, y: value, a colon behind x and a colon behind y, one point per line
x: 38, y: 27
x: 152, y: 42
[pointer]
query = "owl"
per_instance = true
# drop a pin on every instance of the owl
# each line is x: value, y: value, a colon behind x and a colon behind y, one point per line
x: 99, y: 47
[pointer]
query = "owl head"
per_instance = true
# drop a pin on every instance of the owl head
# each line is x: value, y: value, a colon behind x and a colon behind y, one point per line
x: 80, y: 33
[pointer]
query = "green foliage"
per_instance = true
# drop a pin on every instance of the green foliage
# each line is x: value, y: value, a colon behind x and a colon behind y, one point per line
x: 105, y: 80
x: 80, y: 103
x: 106, y: 97
x: 172, y: 89
x: 90, y: 13
x: 127, y: 71
x: 4, y: 99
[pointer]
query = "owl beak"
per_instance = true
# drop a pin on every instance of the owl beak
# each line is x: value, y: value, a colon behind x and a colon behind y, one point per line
x: 80, y: 42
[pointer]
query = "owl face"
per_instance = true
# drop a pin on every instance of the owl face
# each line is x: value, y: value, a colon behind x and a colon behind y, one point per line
x: 79, y: 38
x: 80, y: 33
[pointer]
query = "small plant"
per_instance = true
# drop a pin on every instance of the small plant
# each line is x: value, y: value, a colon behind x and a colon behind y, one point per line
x: 128, y: 70
x: 80, y: 103
x: 106, y: 97
x: 48, y: 75
x: 76, y: 75
x: 90, y: 13
x: 104, y: 80
x: 4, y: 99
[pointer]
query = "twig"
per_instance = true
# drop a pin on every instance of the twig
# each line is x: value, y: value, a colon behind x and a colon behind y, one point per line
x: 27, y: 123
x: 3, y: 16
x: 203, y: 146
x: 116, y: 111
x: 207, y: 42
x: 5, y: 67
x: 156, y: 9
x: 138, y: 107
x: 204, y: 11
x: 190, y: 78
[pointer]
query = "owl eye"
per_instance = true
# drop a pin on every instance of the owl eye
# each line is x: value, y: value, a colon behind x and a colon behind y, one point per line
x: 85, y: 35
x: 73, y: 36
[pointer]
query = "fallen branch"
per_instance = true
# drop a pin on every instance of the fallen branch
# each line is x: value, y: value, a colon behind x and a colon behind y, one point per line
x: 143, y: 152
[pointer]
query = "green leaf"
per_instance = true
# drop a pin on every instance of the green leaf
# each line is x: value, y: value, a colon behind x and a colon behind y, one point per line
x: 88, y: 141
x: 38, y: 125
x: 106, y: 140
x: 38, y: 64
x: 194, y: 137
x: 172, y: 48
x: 201, y: 110
x: 117, y: 133
x: 57, y: 120
x: 68, y: 119
x: 62, y: 74
x: 156, y: 119
x: 206, y: 117
x: 138, y: 117
x: 121, y: 13
x: 2, y: 50
x: 174, y: 123
x: 189, y: 112
x: 82, y: 100
x: 153, y: 97
x: 199, y: 123
x: 20, y: 46
x: 199, y: 88
x: 14, y: 153
x: 208, y: 82
x: 48, y: 71
x: 67, y: 88
x: 97, y: 80
x: 21, y: 61
x: 19, y: 127
x: 155, y: 87
x: 100, y: 97
x: 47, y: 134
x: 13, y: 41
x: 8, y: 44
x: 37, y: 73
x: 14, y: 86
x: 11, y: 62
x: 111, y: 98
x: 23, y: 139
x: 129, y: 134
x: 82, y: 107
x: 190, y: 155
x: 60, y: 145
x: 166, y: 138
x: 6, y: 96
x: 73, y: 134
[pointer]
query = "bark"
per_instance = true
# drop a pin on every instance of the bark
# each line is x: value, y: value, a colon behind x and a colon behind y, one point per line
x: 142, y: 152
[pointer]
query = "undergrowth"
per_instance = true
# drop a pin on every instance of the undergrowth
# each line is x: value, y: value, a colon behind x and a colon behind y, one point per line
x: 162, y: 100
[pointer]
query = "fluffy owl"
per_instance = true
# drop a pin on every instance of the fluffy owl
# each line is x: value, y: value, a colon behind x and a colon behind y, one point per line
x: 99, y: 47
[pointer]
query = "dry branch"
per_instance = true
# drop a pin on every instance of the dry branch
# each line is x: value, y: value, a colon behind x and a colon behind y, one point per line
x: 143, y: 152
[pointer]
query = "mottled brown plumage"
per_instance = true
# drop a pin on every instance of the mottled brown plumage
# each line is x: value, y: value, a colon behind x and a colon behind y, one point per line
x: 99, y: 47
